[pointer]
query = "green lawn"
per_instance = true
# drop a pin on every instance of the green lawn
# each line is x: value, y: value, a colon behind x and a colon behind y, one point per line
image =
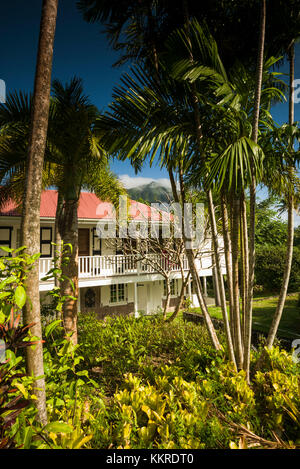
x: 263, y: 311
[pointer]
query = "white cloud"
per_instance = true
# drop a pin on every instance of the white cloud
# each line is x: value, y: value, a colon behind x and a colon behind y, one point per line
x: 130, y: 181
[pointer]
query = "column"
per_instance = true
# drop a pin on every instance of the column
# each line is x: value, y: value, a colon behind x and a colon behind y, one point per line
x: 136, y: 314
x: 190, y: 291
x: 204, y: 286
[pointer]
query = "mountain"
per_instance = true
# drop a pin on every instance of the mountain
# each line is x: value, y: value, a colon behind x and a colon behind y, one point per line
x: 151, y: 193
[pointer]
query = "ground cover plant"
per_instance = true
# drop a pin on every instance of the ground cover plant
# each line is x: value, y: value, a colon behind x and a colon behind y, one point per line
x: 138, y: 383
x: 165, y: 387
x: 143, y: 383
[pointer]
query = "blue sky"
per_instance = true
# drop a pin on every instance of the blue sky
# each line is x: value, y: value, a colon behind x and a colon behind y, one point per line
x: 80, y: 49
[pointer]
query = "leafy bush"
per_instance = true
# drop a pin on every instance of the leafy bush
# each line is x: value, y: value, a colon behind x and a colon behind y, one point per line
x: 270, y: 262
x: 171, y: 390
x: 67, y: 386
x: 155, y: 385
x: 15, y: 386
x: 122, y: 345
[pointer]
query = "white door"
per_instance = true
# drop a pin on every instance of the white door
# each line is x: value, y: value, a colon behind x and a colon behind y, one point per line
x: 142, y: 297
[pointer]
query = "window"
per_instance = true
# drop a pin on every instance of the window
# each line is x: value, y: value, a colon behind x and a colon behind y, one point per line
x: 117, y: 293
x: 113, y: 293
x: 90, y: 298
x: 45, y: 242
x: 5, y: 239
x: 173, y: 287
x: 121, y: 292
x: 96, y: 243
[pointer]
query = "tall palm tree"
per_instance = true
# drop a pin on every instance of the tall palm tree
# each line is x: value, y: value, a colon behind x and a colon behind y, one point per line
x: 74, y: 159
x: 82, y: 157
x: 32, y: 193
x: 284, y: 183
x: 131, y: 131
x: 257, y: 100
x: 290, y: 49
x: 150, y: 116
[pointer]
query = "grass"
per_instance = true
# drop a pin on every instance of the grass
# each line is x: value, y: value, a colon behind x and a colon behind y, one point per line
x: 263, y: 311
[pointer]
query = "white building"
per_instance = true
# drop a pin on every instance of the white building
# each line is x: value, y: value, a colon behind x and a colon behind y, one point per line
x: 109, y: 281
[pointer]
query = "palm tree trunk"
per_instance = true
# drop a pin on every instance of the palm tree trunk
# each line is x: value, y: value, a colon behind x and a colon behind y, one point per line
x: 235, y: 280
x: 219, y: 276
x: 245, y: 261
x: 215, y: 280
x: 290, y: 241
x: 193, y: 269
x: 58, y: 233
x: 211, y: 209
x: 227, y: 252
x: 69, y: 284
x: 286, y: 276
x: 257, y: 97
x: 184, y: 282
x: 32, y: 195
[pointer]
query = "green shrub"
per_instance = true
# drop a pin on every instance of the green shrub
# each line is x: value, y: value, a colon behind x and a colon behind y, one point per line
x: 270, y: 261
x: 155, y: 385
x: 174, y: 391
x: 122, y: 345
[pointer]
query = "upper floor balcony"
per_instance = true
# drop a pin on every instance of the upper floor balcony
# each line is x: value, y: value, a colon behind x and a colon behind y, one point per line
x: 117, y: 265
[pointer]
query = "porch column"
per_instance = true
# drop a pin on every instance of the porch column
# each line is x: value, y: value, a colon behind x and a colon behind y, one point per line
x: 78, y: 301
x: 216, y: 287
x: 204, y: 286
x: 190, y: 288
x: 136, y: 314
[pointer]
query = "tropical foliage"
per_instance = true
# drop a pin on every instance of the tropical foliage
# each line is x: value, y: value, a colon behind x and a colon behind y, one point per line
x: 200, y: 106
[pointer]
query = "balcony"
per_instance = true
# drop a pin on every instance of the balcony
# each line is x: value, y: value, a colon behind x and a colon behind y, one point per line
x: 116, y: 265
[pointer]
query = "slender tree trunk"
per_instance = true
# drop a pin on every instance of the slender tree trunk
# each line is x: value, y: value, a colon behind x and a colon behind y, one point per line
x: 193, y: 271
x: 290, y: 241
x: 215, y: 280
x: 58, y: 232
x: 215, y: 242
x: 168, y: 297
x: 227, y: 253
x: 69, y: 284
x: 189, y: 252
x: 245, y: 261
x: 235, y: 280
x: 184, y: 282
x: 32, y: 194
x: 219, y: 276
x: 257, y: 97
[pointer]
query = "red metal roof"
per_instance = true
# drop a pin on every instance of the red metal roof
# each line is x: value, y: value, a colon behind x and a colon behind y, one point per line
x: 90, y: 207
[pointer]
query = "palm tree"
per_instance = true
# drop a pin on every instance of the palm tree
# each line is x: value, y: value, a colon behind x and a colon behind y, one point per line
x: 257, y: 100
x: 32, y: 193
x: 85, y: 164
x: 291, y: 202
x: 74, y: 159
x: 283, y: 183
x: 240, y: 161
x: 132, y: 132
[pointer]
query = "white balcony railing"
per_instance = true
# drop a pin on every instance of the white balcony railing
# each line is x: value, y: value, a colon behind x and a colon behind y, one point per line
x: 108, y: 266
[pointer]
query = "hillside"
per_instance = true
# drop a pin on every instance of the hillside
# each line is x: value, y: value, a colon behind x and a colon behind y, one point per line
x: 152, y: 192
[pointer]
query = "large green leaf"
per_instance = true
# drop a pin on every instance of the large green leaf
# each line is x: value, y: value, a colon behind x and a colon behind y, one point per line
x: 58, y: 427
x: 20, y: 296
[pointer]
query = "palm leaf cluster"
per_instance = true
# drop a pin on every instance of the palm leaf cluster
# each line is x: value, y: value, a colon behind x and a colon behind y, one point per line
x: 154, y: 117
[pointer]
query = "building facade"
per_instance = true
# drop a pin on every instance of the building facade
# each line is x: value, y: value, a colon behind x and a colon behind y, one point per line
x: 110, y: 281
